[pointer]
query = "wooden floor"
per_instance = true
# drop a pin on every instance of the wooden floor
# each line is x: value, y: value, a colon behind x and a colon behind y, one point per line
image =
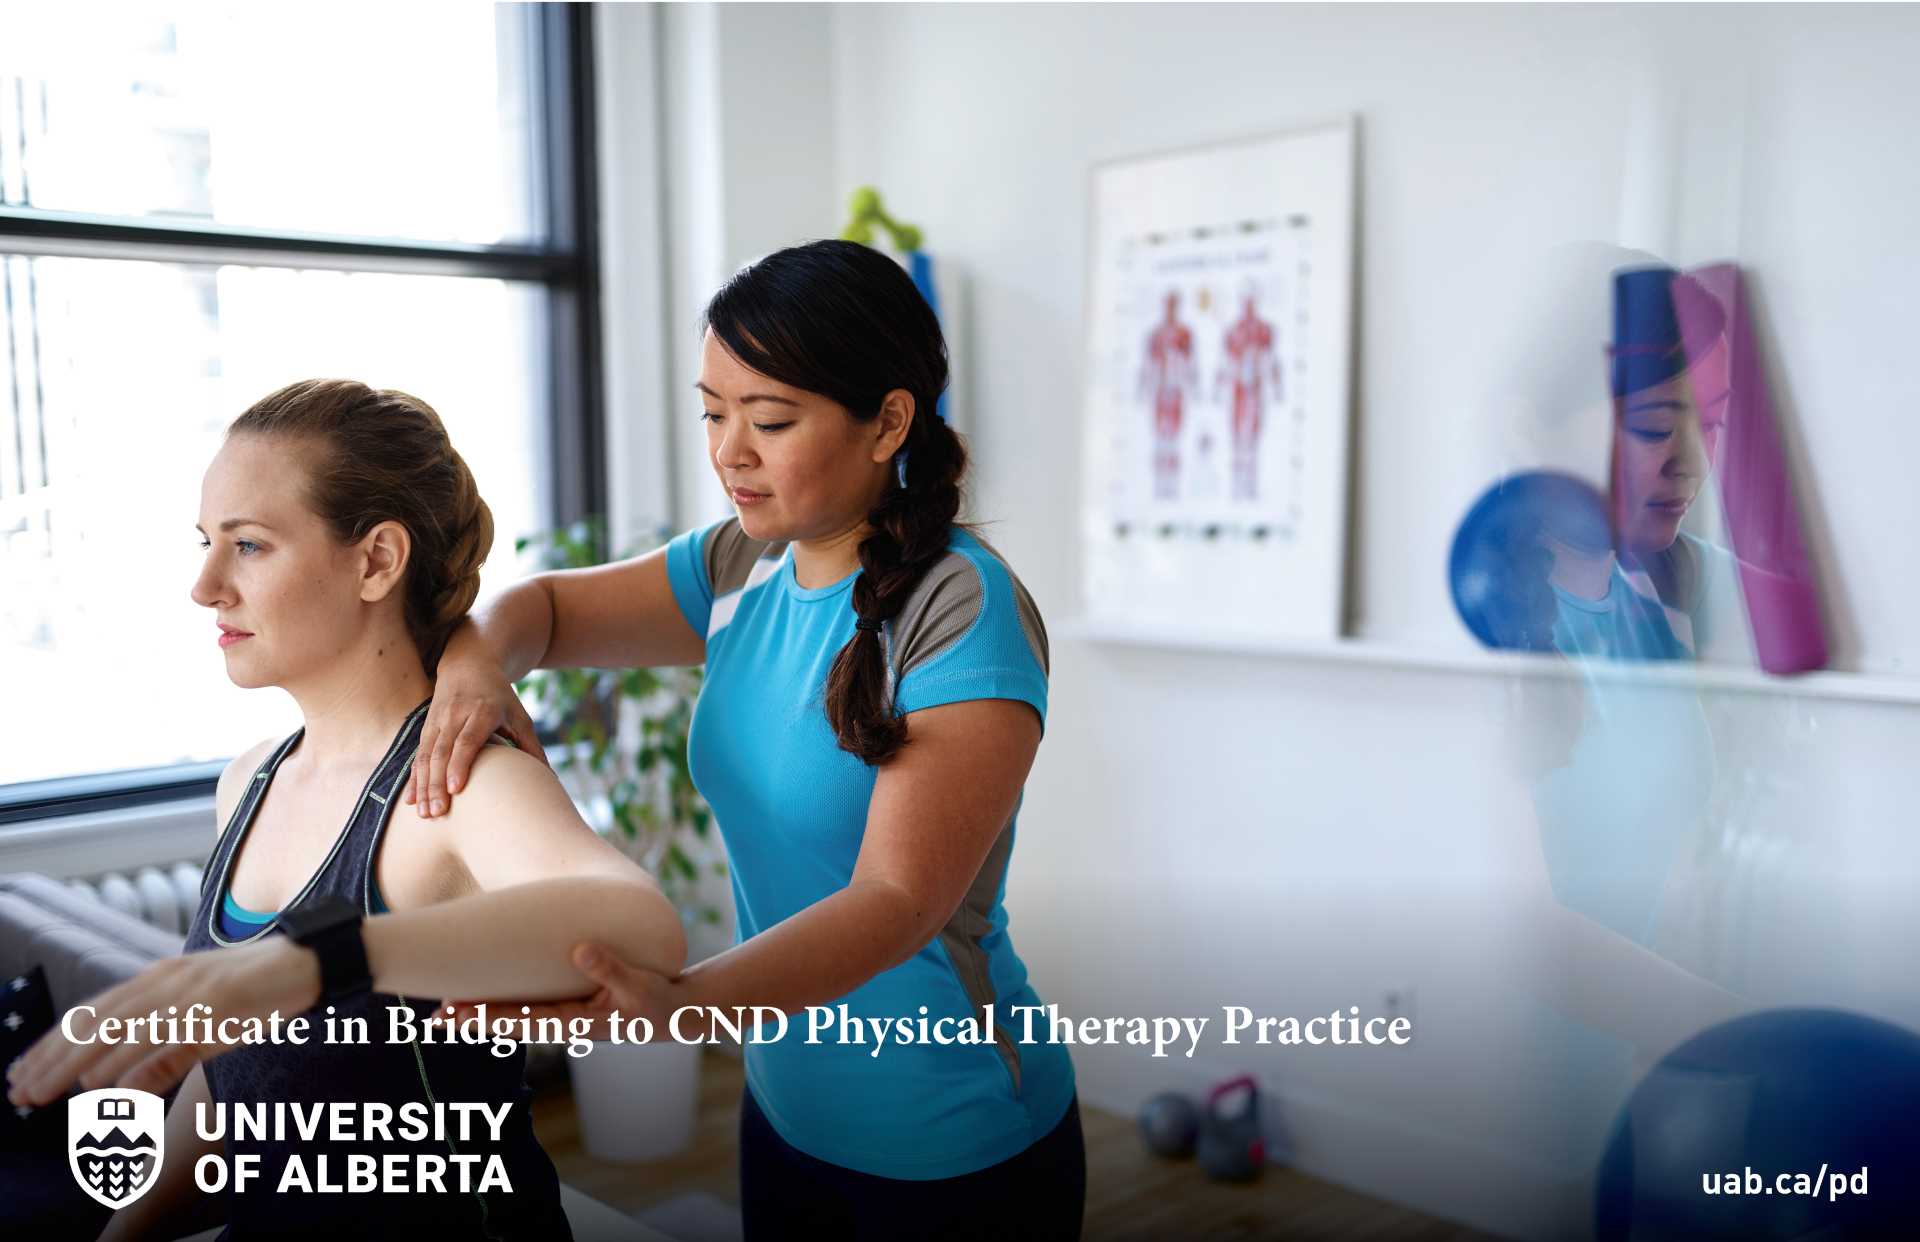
x: 1130, y: 1193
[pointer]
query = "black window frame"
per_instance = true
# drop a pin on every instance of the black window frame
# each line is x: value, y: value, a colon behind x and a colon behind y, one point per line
x: 566, y: 263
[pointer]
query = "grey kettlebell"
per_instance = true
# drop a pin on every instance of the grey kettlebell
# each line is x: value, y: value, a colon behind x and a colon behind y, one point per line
x: 1170, y: 1123
x: 1231, y: 1147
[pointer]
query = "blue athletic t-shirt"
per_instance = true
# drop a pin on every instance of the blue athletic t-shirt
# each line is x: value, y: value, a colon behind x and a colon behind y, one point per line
x: 792, y: 808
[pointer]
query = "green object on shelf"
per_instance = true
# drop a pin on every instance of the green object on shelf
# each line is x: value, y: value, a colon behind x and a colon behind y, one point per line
x: 865, y: 211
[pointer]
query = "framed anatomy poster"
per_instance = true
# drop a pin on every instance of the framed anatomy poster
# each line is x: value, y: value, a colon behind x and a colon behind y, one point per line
x: 1219, y: 317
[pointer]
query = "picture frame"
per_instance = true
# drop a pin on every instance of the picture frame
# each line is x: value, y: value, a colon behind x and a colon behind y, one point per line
x: 1216, y: 411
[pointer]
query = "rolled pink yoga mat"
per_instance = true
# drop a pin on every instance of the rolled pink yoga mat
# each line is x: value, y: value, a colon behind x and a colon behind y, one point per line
x: 1763, y: 524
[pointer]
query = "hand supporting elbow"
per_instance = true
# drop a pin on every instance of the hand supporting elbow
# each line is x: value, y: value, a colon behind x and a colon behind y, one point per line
x: 644, y: 929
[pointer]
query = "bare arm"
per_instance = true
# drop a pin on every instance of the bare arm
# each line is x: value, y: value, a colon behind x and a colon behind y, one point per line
x: 621, y: 615
x: 936, y: 811
x: 547, y: 881
x: 517, y: 941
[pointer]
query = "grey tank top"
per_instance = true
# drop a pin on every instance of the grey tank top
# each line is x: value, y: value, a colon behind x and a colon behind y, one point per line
x: 392, y: 1073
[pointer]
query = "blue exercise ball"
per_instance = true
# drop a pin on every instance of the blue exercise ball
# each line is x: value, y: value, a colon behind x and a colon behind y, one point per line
x: 1726, y: 1136
x: 1170, y: 1124
x: 1501, y: 558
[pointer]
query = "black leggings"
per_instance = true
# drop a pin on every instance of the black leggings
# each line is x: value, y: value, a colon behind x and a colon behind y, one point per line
x: 1039, y: 1194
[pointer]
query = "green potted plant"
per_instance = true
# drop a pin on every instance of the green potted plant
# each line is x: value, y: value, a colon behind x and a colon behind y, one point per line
x: 621, y: 751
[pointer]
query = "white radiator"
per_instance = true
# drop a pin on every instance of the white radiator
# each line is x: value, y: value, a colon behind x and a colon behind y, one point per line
x: 165, y: 896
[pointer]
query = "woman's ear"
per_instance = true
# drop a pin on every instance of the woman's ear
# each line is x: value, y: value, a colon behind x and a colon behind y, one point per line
x: 384, y: 552
x: 893, y: 424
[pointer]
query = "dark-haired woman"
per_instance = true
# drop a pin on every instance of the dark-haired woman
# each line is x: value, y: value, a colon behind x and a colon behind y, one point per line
x: 875, y: 692
x: 343, y: 538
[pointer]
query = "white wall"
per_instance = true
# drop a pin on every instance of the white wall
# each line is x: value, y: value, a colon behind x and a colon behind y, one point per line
x: 1294, y: 835
x: 749, y: 169
x: 1490, y: 136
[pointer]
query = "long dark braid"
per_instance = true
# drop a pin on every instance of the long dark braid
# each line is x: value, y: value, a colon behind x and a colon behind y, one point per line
x: 911, y: 527
x: 843, y: 320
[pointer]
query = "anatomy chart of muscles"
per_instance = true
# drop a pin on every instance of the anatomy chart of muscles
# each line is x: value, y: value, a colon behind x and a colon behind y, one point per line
x: 1216, y: 402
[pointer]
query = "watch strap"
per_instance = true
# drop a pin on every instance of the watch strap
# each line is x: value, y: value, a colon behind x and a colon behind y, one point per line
x: 331, y: 927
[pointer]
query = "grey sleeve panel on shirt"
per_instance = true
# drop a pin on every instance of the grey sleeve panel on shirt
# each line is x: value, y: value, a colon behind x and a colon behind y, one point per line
x: 938, y: 613
x: 946, y: 603
x: 961, y: 938
x: 730, y: 554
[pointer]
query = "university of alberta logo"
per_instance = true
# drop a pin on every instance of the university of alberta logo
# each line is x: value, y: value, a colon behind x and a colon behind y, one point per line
x: 115, y: 1139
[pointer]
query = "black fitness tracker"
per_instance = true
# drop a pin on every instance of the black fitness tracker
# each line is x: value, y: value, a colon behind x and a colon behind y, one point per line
x: 330, y: 926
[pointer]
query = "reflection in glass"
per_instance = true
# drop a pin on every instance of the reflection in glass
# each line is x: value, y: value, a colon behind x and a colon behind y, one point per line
x: 1690, y: 409
x: 1687, y: 549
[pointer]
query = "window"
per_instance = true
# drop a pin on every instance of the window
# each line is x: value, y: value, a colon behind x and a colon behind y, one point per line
x: 195, y: 210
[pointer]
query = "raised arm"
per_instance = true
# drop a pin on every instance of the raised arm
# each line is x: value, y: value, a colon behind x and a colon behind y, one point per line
x: 621, y: 615
x: 539, y: 877
x: 544, y: 880
x: 936, y: 810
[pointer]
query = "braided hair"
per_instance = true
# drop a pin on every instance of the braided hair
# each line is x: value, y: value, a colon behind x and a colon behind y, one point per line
x: 843, y: 320
x: 384, y: 456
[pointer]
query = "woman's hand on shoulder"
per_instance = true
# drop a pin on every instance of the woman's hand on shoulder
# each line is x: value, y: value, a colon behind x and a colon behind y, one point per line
x: 517, y: 825
x: 619, y: 615
x: 471, y: 700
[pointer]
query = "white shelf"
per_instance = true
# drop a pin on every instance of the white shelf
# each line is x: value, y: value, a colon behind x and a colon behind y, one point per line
x: 1860, y: 687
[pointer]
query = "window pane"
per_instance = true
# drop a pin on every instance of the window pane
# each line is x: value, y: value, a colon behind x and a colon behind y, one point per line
x: 405, y: 121
x: 116, y: 381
